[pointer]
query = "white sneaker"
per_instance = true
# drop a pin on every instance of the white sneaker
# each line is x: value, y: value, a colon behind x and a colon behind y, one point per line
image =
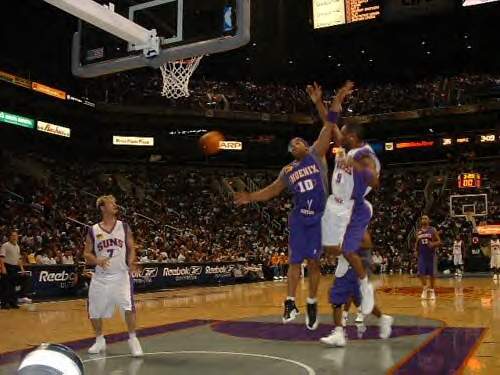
x: 335, y: 339
x: 433, y: 295
x: 135, y: 347
x: 385, y: 324
x: 98, y: 347
x: 24, y: 300
x: 424, y: 294
x: 360, y: 318
x: 275, y: 278
x: 367, y: 298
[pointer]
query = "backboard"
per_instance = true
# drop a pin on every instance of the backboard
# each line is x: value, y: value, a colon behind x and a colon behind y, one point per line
x: 476, y: 204
x: 185, y: 28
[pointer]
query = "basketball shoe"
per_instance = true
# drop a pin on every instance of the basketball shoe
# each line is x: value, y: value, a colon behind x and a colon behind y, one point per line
x: 291, y: 311
x: 312, y: 320
x: 336, y: 338
x: 385, y: 324
x: 99, y: 346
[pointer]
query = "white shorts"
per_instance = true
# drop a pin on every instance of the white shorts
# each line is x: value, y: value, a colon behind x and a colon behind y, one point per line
x: 457, y: 259
x: 334, y: 222
x: 495, y: 261
x: 105, y: 293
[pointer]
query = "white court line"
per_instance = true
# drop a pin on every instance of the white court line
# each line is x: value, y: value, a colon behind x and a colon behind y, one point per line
x: 309, y: 370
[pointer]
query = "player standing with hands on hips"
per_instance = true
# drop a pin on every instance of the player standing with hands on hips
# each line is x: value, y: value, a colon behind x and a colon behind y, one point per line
x: 426, y: 243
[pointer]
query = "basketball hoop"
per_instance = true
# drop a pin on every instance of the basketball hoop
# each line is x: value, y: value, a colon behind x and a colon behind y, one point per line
x: 176, y: 75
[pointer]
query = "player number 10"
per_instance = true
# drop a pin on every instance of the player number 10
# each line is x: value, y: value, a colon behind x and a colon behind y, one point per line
x: 306, y: 185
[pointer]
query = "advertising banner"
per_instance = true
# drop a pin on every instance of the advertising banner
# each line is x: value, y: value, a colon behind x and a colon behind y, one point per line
x: 62, y: 281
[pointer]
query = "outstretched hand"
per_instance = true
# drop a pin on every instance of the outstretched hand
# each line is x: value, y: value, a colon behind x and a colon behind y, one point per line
x: 242, y: 198
x: 315, y: 92
x: 342, y: 93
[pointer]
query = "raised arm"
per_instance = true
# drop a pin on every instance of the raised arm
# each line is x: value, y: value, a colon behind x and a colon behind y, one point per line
x: 270, y: 191
x: 330, y: 128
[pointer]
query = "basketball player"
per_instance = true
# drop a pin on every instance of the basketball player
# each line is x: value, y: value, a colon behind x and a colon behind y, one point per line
x: 495, y: 257
x: 427, y: 240
x: 347, y: 212
x: 110, y: 247
x: 457, y: 256
x: 306, y: 178
x: 345, y: 288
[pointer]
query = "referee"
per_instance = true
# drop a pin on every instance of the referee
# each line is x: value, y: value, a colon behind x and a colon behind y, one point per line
x: 11, y: 257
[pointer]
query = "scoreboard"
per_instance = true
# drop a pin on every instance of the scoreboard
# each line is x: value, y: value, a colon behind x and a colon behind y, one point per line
x: 469, y: 180
x: 328, y: 13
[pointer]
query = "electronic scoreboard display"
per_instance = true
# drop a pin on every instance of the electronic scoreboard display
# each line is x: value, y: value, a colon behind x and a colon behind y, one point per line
x: 469, y: 180
x: 327, y: 13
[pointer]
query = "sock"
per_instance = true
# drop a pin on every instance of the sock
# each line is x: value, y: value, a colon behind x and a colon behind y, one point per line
x: 364, y: 281
x: 311, y: 300
x: 132, y: 335
x: 99, y: 338
x: 290, y: 298
x: 339, y: 329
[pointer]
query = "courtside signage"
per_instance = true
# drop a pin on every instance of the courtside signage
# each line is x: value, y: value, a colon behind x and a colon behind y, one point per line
x: 53, y: 129
x: 133, y: 141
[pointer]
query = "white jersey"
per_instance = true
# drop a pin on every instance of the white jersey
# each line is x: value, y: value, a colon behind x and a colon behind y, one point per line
x: 495, y: 248
x: 457, y: 247
x: 347, y: 183
x: 112, y: 245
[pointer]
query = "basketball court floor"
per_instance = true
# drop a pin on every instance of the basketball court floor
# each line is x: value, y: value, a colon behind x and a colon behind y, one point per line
x: 237, y: 330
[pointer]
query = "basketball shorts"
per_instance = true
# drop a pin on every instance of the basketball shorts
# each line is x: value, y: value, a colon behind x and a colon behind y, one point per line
x: 345, y: 287
x: 344, y: 224
x: 457, y: 259
x: 426, y: 266
x: 105, y: 293
x: 304, y: 240
x: 495, y: 261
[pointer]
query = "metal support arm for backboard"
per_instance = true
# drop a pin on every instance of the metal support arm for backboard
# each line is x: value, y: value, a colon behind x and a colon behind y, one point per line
x: 216, y: 45
x: 106, y: 19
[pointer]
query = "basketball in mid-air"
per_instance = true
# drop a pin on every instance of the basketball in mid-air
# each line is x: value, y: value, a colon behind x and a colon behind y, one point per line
x: 209, y: 142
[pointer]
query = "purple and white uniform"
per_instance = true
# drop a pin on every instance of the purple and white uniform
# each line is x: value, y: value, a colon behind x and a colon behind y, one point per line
x: 426, y: 254
x: 306, y: 180
x: 347, y: 212
x: 112, y: 286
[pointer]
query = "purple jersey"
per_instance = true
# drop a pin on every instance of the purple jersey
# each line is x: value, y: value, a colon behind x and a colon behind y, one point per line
x: 306, y: 180
x: 424, y: 237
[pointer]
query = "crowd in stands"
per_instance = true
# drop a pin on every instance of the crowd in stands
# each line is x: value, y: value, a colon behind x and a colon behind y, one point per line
x: 144, y: 87
x: 179, y: 215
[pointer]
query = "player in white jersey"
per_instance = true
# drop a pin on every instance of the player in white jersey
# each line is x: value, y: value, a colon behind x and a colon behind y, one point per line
x: 457, y: 256
x: 495, y: 257
x: 348, y: 213
x: 110, y: 247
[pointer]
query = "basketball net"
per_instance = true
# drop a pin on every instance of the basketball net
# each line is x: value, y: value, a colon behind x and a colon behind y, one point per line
x: 176, y: 75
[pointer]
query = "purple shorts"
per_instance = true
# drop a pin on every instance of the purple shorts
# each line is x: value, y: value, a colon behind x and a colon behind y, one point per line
x: 360, y: 218
x: 345, y: 287
x: 426, y: 266
x: 304, y: 240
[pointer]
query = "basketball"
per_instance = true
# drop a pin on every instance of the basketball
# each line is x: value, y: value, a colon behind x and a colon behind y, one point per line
x: 209, y: 142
